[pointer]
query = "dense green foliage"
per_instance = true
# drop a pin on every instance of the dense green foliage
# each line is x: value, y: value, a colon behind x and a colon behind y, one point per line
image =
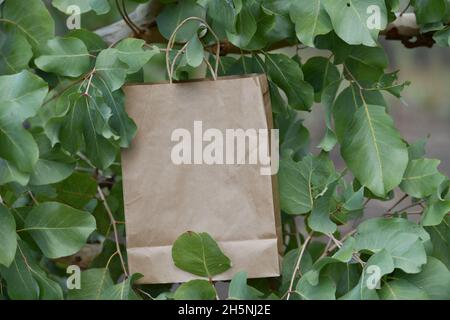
x: 63, y: 123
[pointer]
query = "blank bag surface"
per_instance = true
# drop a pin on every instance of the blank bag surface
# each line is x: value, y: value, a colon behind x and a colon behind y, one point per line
x: 235, y: 204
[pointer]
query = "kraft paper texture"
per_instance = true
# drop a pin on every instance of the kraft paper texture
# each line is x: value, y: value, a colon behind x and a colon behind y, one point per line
x: 235, y: 204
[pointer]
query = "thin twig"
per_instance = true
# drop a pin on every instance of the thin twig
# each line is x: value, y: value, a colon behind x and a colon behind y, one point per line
x: 145, y: 293
x: 406, y: 208
x: 406, y: 9
x: 397, y: 203
x: 327, y: 247
x: 125, y: 18
x: 337, y: 242
x: 33, y: 198
x: 345, y: 237
x: 113, y: 223
x: 297, y: 265
x: 124, y: 10
x: 86, y: 92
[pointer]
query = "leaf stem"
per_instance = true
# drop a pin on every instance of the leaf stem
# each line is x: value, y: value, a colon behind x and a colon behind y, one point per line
x: 91, y: 75
x: 406, y: 208
x: 297, y: 265
x: 397, y: 203
x: 116, y: 233
x: 345, y: 237
x: 33, y: 197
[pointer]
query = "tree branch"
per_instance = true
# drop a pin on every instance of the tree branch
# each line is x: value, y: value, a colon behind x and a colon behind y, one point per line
x: 404, y: 29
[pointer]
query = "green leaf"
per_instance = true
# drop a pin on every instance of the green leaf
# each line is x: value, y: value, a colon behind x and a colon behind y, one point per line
x: 9, y: 173
x: 20, y: 280
x: 93, y: 284
x: 53, y: 165
x: 64, y: 56
x: 380, y: 263
x: 301, y: 182
x: 15, y: 52
x: 402, y: 239
x: 119, y: 121
x: 58, y: 229
x: 288, y: 266
x: 324, y: 290
x: 374, y: 151
x: 389, y: 82
x: 27, y: 280
x: 366, y: 65
x: 351, y: 20
x: 429, y: 11
x: 110, y: 68
x: 320, y: 72
x: 349, y: 278
x: 295, y: 180
x: 194, y: 52
x: 199, y: 254
x: 21, y: 95
x: 435, y: 212
x: 346, y: 105
x: 223, y: 12
x: 310, y: 20
x: 31, y: 18
x: 417, y: 150
x: 173, y: 14
x: 94, y: 43
x: 77, y: 190
x: 239, y: 290
x: 195, y: 290
x: 421, y: 178
x: 8, y: 237
x: 99, y: 6
x: 354, y: 200
x: 82, y: 131
x: 313, y: 274
x: 287, y: 75
x: 123, y: 290
x: 345, y: 253
x: 440, y: 238
x: 131, y: 52
x: 434, y: 279
x: 319, y: 219
x: 294, y: 137
x: 246, y: 27
x: 401, y: 290
x: 48, y: 172
x: 442, y: 37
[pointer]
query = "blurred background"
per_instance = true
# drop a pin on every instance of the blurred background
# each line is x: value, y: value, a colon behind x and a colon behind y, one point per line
x: 424, y: 110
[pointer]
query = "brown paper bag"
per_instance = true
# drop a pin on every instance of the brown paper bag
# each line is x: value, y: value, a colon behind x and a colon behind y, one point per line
x: 234, y: 203
x: 201, y: 182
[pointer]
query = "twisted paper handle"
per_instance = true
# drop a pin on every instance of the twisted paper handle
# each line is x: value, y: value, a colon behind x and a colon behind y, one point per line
x: 171, y: 66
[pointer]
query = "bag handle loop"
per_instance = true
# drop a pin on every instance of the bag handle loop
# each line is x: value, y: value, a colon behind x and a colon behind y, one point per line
x: 171, y: 66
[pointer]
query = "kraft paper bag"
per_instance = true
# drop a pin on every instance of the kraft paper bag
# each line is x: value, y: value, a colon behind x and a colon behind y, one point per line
x: 234, y: 203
